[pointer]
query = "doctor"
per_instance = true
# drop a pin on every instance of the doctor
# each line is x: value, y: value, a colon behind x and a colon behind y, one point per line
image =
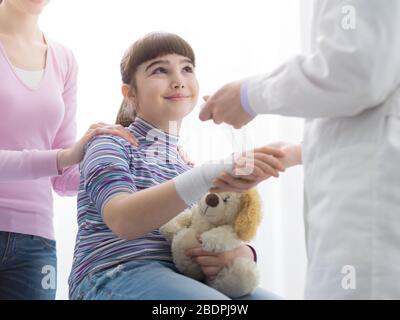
x: 348, y: 90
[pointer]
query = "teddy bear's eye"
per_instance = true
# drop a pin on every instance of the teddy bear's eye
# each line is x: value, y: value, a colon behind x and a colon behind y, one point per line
x: 226, y: 198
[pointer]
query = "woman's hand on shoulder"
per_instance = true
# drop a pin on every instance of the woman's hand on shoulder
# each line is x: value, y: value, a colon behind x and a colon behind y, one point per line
x: 74, y: 154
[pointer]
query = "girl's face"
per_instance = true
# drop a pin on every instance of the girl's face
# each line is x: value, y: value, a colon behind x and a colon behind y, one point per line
x: 166, y: 90
x: 33, y: 7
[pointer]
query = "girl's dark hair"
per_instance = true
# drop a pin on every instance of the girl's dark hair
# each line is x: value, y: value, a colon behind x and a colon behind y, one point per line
x: 151, y: 46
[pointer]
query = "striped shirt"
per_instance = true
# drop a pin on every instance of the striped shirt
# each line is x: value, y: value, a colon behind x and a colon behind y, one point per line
x: 112, y: 166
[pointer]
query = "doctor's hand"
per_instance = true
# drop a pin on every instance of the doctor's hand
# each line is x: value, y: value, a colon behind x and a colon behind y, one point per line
x: 212, y: 263
x: 74, y: 155
x: 250, y: 169
x: 239, y: 183
x: 292, y: 152
x: 225, y: 106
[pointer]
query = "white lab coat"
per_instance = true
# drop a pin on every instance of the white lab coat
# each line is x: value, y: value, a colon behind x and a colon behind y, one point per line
x: 348, y: 90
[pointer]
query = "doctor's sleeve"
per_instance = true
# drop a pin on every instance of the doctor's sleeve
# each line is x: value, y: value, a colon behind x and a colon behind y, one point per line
x: 348, y: 71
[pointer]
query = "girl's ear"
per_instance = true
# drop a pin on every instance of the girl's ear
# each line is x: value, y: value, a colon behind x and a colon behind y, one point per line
x: 125, y: 90
x: 130, y: 95
x: 249, y: 216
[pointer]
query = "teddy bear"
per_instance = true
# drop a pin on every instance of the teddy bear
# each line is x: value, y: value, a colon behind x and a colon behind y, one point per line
x: 218, y: 222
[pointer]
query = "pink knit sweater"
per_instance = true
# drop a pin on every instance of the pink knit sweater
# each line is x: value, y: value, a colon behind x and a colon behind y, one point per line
x: 34, y: 125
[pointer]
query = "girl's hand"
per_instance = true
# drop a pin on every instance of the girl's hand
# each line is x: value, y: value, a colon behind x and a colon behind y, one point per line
x: 74, y: 154
x: 211, y: 263
x: 250, y: 169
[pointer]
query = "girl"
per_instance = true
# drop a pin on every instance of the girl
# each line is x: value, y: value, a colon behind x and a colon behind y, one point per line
x: 37, y: 94
x: 126, y: 194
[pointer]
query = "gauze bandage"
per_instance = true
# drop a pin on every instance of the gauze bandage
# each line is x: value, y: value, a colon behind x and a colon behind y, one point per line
x: 193, y: 184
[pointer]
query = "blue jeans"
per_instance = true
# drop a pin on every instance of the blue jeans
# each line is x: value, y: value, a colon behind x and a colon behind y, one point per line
x: 150, y: 280
x: 28, y: 267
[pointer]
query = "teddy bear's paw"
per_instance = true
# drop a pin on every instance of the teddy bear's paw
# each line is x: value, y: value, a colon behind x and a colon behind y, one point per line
x: 219, y: 240
x: 211, y: 242
x: 210, y: 246
x: 169, y: 230
x: 186, y: 239
x: 238, y: 279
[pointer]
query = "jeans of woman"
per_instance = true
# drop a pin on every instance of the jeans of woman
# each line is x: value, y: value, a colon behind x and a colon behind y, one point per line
x: 28, y: 267
x: 150, y: 280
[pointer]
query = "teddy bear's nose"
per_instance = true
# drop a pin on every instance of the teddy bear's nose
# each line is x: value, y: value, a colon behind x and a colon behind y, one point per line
x: 212, y: 200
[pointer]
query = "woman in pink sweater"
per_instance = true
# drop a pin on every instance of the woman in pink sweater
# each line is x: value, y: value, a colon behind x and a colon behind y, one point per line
x: 38, y: 79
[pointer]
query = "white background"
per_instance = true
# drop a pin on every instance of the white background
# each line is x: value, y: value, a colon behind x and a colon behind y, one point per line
x: 232, y: 40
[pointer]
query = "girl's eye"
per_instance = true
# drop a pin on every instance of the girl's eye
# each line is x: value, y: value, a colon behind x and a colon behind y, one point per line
x: 159, y: 70
x: 226, y: 198
x: 188, y: 69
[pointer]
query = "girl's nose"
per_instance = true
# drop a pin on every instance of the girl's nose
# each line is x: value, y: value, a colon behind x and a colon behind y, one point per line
x: 178, y: 85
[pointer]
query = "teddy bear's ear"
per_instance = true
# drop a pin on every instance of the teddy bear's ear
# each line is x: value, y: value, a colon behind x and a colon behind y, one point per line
x: 249, y: 216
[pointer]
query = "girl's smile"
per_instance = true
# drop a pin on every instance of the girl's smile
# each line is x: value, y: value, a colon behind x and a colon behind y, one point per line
x: 178, y: 97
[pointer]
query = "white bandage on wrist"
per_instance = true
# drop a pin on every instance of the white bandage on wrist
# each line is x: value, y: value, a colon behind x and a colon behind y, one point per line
x: 193, y: 184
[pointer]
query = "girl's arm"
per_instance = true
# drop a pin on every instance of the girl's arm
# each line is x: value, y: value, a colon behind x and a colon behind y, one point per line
x: 130, y: 213
x: 133, y: 216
